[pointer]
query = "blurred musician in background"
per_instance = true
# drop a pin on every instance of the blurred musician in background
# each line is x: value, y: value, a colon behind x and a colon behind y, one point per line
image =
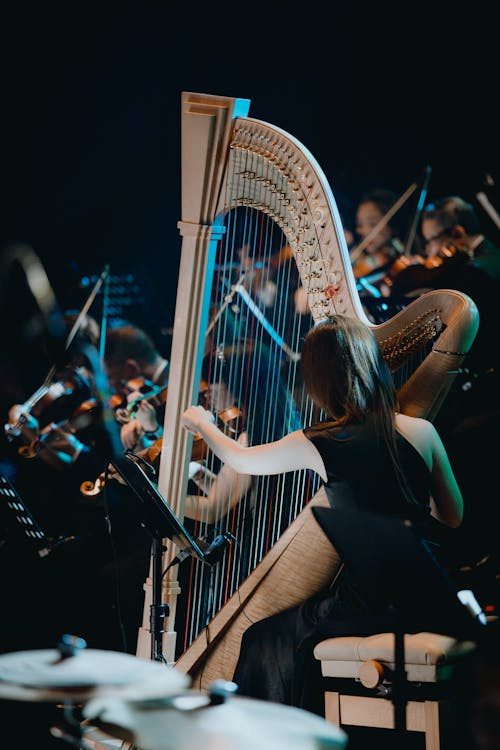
x: 137, y: 370
x: 459, y: 256
x: 53, y: 424
x: 52, y: 442
x: 243, y: 374
x: 106, y: 544
x: 385, y: 246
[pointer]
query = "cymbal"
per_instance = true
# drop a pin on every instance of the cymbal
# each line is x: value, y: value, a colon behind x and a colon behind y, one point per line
x: 42, y: 675
x: 189, y: 722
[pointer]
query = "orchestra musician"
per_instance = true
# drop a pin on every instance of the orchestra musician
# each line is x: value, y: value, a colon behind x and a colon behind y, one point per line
x: 242, y: 381
x: 131, y: 357
x: 369, y: 456
x: 48, y: 422
x: 63, y: 431
x: 109, y: 541
x: 459, y: 256
x: 385, y: 246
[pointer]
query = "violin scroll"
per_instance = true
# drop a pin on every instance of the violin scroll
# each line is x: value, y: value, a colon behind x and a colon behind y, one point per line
x: 92, y: 489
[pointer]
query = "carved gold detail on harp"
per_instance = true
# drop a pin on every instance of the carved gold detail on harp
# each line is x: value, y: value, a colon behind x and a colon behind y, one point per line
x: 251, y: 165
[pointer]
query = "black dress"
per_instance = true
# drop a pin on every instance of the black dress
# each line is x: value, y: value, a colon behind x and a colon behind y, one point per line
x: 276, y: 661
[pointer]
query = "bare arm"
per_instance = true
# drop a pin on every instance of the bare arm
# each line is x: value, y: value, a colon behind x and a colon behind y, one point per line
x: 224, y: 491
x: 293, y: 452
x: 446, y: 500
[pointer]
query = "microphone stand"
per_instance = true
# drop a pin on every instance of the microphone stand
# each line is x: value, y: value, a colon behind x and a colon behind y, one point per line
x: 159, y: 609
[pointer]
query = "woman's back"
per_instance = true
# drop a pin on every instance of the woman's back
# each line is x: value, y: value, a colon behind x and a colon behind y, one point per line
x: 361, y: 472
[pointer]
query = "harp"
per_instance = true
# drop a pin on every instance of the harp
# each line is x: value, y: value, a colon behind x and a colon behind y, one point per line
x: 259, y: 219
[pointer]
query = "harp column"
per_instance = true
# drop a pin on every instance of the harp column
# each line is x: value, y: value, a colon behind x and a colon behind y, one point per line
x: 207, y: 124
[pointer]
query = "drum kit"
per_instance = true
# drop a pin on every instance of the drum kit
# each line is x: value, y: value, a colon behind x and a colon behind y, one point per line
x: 112, y: 699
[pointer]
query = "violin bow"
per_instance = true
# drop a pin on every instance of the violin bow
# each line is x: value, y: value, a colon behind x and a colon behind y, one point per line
x: 418, y: 211
x: 105, y: 304
x: 358, y: 249
x: 86, y: 307
x: 484, y: 201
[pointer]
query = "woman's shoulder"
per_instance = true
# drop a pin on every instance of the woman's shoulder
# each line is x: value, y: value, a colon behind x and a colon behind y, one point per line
x: 420, y: 433
x: 414, y: 425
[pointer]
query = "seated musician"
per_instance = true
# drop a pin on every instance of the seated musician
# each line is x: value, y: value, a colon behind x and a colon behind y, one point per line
x: 385, y: 246
x: 56, y: 425
x: 67, y: 444
x: 462, y: 257
x: 369, y: 456
x: 243, y: 376
x: 132, y: 361
x: 214, y: 490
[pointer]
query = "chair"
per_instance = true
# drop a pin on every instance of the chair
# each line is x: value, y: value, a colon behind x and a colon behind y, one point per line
x: 400, y: 679
x: 358, y: 674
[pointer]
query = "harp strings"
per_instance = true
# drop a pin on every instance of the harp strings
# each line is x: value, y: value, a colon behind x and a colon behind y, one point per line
x: 246, y: 360
x: 246, y: 363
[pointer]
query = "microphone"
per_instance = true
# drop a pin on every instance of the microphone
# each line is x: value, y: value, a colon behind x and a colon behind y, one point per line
x: 217, y: 547
x: 211, y: 554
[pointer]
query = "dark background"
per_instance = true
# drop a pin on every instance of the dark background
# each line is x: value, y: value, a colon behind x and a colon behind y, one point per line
x: 89, y: 157
x: 91, y: 110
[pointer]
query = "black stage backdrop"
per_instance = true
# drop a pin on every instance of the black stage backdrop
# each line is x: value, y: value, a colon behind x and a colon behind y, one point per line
x: 90, y: 176
x: 90, y: 98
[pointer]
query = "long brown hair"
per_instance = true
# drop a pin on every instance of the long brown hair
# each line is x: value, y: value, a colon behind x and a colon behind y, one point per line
x: 346, y: 375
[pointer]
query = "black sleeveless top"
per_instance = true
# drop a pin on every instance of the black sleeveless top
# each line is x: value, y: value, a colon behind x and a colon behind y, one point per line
x: 361, y: 473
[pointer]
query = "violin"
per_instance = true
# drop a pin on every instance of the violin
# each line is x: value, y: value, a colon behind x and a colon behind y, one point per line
x: 56, y: 444
x: 368, y: 263
x: 227, y: 420
x: 409, y: 273
x: 42, y: 402
x: 125, y: 410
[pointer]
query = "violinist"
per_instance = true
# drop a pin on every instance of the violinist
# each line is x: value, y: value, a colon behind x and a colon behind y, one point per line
x: 385, y: 246
x: 457, y: 255
x: 61, y: 430
x: 47, y: 423
x: 242, y: 374
x: 137, y: 370
x: 468, y: 261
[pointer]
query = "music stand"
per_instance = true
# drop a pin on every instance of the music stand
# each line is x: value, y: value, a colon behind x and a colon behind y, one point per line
x: 160, y: 521
x: 400, y: 578
x: 18, y: 523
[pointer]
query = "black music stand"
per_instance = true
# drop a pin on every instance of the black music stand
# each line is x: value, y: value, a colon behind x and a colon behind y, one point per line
x: 402, y: 580
x: 159, y: 521
x: 20, y: 527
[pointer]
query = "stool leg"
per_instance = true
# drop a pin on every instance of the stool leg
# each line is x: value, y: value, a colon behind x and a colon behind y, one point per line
x: 431, y: 710
x: 332, y: 708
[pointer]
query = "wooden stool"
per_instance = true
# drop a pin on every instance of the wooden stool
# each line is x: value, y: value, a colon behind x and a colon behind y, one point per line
x: 357, y: 672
